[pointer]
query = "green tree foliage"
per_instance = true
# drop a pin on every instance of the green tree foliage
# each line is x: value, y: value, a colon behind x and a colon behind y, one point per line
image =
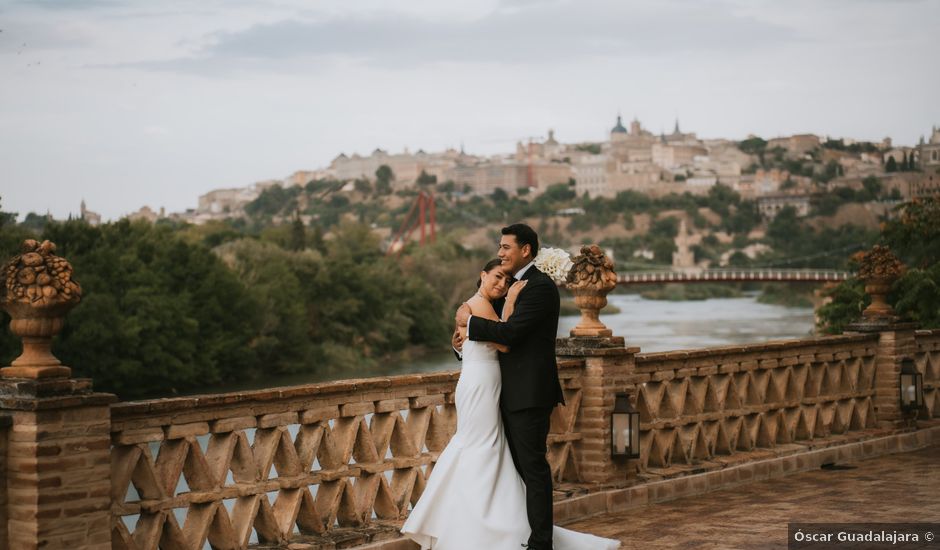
x: 158, y: 314
x: 363, y: 186
x: 753, y: 146
x: 383, y: 179
x: 425, y: 179
x: 273, y: 200
x: 872, y: 186
x: 162, y: 313
x: 593, y: 148
x: 796, y: 244
x: 914, y: 236
x: 298, y: 234
x: 891, y: 165
x: 666, y: 228
x: 499, y: 195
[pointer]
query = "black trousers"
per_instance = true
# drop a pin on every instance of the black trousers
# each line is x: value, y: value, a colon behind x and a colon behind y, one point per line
x: 527, y: 431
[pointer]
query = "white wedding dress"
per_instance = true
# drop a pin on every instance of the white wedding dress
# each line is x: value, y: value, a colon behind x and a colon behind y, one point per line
x: 475, y: 498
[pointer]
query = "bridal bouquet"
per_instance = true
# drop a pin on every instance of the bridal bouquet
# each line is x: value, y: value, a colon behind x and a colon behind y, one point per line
x: 554, y: 262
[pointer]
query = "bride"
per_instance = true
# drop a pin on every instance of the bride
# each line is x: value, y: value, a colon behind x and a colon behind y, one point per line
x: 475, y: 498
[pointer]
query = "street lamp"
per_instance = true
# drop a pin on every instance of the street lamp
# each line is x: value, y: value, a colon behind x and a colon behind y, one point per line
x: 624, y: 428
x: 912, y: 386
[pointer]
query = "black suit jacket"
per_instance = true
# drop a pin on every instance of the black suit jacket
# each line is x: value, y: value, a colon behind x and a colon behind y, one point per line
x: 529, y: 370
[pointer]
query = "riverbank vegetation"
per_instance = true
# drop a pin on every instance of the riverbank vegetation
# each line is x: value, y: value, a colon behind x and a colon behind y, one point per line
x: 914, y: 236
x: 172, y: 306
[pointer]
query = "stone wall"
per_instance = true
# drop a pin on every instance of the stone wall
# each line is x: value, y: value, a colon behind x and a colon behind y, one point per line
x: 697, y: 405
x: 264, y: 465
x: 58, y: 452
x: 5, y: 423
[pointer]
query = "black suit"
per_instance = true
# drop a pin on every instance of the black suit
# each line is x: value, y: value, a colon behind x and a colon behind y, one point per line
x: 530, y: 390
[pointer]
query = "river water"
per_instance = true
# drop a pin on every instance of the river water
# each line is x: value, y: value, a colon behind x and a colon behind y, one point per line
x: 653, y: 325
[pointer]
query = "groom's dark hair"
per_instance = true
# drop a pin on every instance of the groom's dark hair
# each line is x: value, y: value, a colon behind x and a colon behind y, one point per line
x: 525, y: 235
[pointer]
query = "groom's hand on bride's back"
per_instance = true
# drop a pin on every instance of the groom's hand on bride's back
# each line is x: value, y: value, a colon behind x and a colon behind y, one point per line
x: 457, y: 341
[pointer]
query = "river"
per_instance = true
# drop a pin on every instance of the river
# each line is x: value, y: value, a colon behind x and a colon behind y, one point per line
x: 653, y: 325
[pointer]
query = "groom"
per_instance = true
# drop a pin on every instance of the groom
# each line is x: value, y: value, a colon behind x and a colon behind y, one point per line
x: 530, y: 386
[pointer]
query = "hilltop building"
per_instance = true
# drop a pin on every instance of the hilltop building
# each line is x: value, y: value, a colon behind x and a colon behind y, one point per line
x: 795, y: 145
x: 928, y: 153
x: 147, y: 214
x: 91, y: 218
x: 771, y: 205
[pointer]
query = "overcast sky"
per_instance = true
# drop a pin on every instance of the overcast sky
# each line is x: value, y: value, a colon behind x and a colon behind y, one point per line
x: 130, y: 103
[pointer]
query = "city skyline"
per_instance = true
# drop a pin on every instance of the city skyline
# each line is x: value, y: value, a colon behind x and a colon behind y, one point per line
x: 127, y: 106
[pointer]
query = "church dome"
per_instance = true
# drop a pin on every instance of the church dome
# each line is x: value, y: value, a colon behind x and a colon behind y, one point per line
x: 618, y: 129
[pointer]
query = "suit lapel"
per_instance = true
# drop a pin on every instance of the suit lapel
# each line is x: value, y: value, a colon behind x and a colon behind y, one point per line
x: 529, y: 272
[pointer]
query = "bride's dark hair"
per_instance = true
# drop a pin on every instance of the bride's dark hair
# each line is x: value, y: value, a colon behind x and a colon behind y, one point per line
x: 495, y: 262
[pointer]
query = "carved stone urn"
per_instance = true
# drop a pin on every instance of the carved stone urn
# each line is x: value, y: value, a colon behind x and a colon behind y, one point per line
x: 38, y: 292
x: 879, y: 268
x: 590, y: 279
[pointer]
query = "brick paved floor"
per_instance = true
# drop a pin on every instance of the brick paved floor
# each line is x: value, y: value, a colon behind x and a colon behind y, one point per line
x: 892, y: 488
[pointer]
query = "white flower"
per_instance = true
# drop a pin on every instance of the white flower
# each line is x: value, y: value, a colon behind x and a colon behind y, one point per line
x: 554, y: 262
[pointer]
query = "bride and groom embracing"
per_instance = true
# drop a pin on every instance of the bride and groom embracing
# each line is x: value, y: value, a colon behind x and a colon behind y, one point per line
x: 491, y: 487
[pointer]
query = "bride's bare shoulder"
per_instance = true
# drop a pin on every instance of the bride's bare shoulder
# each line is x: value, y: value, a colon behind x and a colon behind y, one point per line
x: 481, y: 306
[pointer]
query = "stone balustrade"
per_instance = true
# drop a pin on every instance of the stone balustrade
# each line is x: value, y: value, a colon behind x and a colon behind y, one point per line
x: 263, y: 465
x: 699, y: 404
x: 927, y: 360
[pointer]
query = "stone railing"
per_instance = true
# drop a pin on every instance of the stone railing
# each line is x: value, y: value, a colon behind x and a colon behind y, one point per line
x: 927, y: 359
x: 260, y: 466
x: 699, y: 404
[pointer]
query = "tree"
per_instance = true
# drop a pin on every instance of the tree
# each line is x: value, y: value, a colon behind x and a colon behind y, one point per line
x: 753, y: 146
x: 273, y: 200
x: 785, y: 231
x: 158, y: 314
x: 363, y: 186
x: 873, y: 187
x: 6, y: 218
x: 316, y: 241
x: 891, y: 165
x: 425, y: 179
x: 298, y: 234
x: 914, y: 236
x: 499, y: 196
x: 383, y: 179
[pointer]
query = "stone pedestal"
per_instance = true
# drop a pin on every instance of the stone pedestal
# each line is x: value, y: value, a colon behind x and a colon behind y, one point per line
x: 609, y: 370
x: 59, y: 464
x: 895, y: 342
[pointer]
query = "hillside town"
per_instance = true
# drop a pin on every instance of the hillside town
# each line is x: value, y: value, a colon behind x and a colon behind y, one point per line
x: 776, y: 173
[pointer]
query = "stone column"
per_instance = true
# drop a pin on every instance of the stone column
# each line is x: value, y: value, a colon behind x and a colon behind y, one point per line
x: 609, y: 370
x: 59, y: 466
x: 58, y: 447
x: 880, y: 268
x: 609, y: 367
x: 5, y: 422
x: 895, y: 342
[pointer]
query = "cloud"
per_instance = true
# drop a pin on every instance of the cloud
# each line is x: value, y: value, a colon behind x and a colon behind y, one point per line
x: 74, y: 5
x: 522, y: 31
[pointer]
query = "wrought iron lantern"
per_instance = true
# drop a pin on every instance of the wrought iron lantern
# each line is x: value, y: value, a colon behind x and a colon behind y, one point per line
x: 912, y: 386
x: 624, y: 428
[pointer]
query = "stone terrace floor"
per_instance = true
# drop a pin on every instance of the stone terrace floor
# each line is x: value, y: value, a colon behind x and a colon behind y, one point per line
x: 891, y: 489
